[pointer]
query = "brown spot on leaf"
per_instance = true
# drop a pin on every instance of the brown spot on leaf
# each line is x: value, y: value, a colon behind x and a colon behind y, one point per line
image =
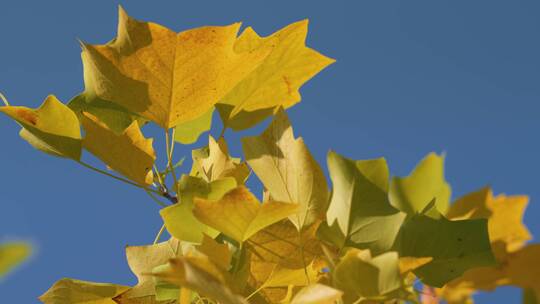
x: 28, y: 116
x: 288, y: 84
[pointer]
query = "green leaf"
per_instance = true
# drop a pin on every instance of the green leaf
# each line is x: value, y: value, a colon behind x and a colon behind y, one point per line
x: 455, y: 246
x: 70, y: 291
x: 411, y: 194
x: 239, y: 214
x: 52, y: 128
x: 13, y: 254
x: 188, y: 132
x: 288, y: 170
x: 360, y: 205
x: 179, y: 218
x: 368, y: 277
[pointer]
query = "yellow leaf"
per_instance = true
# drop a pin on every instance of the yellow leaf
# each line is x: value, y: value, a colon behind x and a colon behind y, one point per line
x: 284, y: 277
x: 12, y: 254
x: 69, y: 291
x: 317, y: 294
x: 408, y: 264
x: 128, y: 153
x: 213, y: 163
x: 200, y: 276
x: 239, y: 214
x: 277, y: 80
x: 52, y: 128
x: 218, y: 253
x: 142, y: 260
x: 288, y: 170
x: 164, y: 76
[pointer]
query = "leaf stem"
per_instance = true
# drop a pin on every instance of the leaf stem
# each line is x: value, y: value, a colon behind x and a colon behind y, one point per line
x: 155, y: 199
x: 170, y: 149
x: 158, y: 236
x: 4, y: 99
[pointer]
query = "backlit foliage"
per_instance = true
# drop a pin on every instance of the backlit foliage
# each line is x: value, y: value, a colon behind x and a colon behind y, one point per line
x: 366, y: 237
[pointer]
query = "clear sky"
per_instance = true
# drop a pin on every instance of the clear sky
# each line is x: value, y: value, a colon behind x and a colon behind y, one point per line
x: 411, y: 77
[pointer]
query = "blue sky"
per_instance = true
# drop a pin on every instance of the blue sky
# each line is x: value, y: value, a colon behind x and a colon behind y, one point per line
x: 411, y: 77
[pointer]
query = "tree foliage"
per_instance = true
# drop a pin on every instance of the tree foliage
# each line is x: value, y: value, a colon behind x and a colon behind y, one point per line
x: 365, y: 238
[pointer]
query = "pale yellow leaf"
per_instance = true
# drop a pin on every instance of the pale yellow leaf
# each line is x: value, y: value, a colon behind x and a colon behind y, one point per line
x: 70, y: 291
x: 317, y: 294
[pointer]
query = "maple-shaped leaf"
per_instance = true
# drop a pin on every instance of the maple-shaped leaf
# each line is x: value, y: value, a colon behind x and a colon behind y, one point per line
x: 287, y: 170
x: 360, y: 274
x: 164, y: 76
x: 12, y: 254
x: 504, y: 213
x: 413, y: 193
x: 129, y: 153
x: 189, y: 132
x: 277, y: 80
x: 239, y: 215
x: 360, y: 214
x: 201, y: 276
x: 214, y: 162
x: 179, y: 218
x: 507, y: 234
x: 114, y: 116
x: 52, y: 128
x: 317, y: 294
x: 455, y: 246
x: 142, y: 260
x: 70, y: 291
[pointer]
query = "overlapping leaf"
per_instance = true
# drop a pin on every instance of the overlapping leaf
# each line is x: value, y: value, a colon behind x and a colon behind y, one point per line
x: 277, y: 80
x: 129, y: 153
x: 70, y: 291
x: 288, y: 170
x: 164, y: 76
x: 52, y: 128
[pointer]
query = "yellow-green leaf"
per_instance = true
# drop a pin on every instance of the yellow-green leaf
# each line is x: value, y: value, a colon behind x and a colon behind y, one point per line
x: 70, y: 291
x: 317, y: 294
x: 413, y: 193
x: 52, y: 128
x: 239, y: 214
x: 13, y: 254
x: 288, y: 170
x: 277, y: 80
x: 179, y: 218
x: 129, y: 153
x: 164, y: 76
x: 188, y: 132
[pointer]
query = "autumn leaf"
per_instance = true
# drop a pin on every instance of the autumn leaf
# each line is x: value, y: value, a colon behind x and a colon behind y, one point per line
x: 288, y: 170
x: 413, y: 193
x: 70, y: 291
x: 52, y: 128
x: 142, y: 260
x: 239, y: 215
x: 368, y: 277
x: 277, y: 80
x: 359, y: 206
x: 129, y: 153
x: 179, y: 218
x: 317, y: 294
x: 197, y: 275
x: 167, y: 77
x: 218, y: 253
x: 13, y: 254
x: 214, y: 162
x: 189, y: 132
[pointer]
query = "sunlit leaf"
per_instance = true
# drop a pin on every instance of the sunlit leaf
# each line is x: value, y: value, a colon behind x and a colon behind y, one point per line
x: 52, y: 128
x: 239, y: 214
x: 277, y: 80
x: 179, y: 218
x: 317, y: 294
x: 219, y: 254
x: 70, y: 291
x: 164, y: 76
x: 188, y: 132
x: 288, y: 170
x: 129, y: 153
x: 412, y: 193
